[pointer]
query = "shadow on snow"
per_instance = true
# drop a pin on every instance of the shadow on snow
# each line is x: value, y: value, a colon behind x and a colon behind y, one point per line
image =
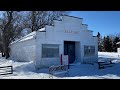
x: 79, y: 70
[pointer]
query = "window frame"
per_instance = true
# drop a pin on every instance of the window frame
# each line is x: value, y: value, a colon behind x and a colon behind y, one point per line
x: 48, y: 50
x: 89, y: 50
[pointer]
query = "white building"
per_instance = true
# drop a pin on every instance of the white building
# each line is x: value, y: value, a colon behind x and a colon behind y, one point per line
x: 67, y: 37
x: 118, y: 47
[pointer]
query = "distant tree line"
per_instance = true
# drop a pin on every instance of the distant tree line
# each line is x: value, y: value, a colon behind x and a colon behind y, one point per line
x: 108, y: 43
x: 13, y: 23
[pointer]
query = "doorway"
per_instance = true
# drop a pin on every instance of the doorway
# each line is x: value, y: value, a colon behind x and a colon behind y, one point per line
x: 69, y: 49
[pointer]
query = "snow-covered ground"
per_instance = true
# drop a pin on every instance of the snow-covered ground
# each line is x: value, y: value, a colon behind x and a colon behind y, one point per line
x: 26, y: 70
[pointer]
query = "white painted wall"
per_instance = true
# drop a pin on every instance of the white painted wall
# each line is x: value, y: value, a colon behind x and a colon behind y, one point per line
x: 56, y: 35
x: 23, y: 51
x: 118, y: 50
x: 90, y: 59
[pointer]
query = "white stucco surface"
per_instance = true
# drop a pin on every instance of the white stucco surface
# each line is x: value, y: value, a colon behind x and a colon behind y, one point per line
x: 118, y: 50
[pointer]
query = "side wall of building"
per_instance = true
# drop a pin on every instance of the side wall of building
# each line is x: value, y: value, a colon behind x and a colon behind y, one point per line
x: 118, y: 50
x: 23, y: 51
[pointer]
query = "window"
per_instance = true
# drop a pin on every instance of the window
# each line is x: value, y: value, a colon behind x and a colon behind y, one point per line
x: 50, y: 50
x: 89, y: 50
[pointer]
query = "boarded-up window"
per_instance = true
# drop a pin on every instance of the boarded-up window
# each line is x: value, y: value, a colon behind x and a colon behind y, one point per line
x: 50, y: 50
x: 89, y: 50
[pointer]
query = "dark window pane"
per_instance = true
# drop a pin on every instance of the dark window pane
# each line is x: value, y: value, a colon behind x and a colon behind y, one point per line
x: 50, y: 50
x: 89, y: 50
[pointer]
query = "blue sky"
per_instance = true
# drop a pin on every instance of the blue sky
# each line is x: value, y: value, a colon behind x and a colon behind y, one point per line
x: 105, y: 22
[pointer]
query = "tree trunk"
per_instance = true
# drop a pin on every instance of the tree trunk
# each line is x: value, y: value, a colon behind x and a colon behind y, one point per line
x: 7, y: 53
x: 6, y: 49
x: 3, y: 54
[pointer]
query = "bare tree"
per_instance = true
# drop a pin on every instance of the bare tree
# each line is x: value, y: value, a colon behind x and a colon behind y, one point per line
x: 1, y: 44
x: 12, y: 23
x: 10, y: 29
x: 38, y: 19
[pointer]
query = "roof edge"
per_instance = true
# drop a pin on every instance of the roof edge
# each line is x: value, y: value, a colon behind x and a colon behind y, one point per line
x: 73, y: 16
x: 28, y: 35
